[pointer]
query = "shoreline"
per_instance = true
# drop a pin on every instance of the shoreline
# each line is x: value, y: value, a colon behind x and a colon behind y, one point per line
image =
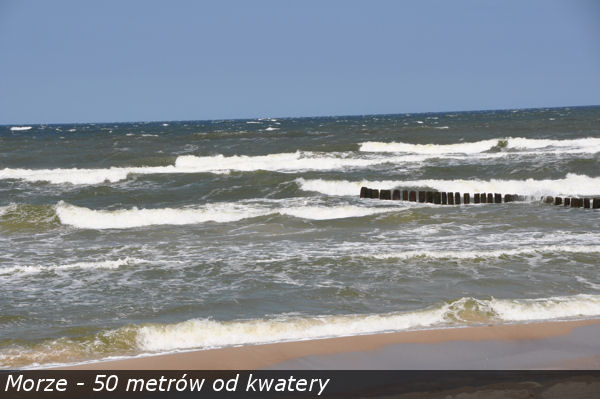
x: 569, y: 344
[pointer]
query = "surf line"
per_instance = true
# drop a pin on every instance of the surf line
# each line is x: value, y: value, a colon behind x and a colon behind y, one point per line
x: 454, y: 198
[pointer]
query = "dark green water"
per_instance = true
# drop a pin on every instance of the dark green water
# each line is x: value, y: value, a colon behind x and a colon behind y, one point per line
x: 122, y: 239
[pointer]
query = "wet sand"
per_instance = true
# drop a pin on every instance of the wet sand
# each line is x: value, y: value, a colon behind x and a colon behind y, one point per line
x: 548, y: 345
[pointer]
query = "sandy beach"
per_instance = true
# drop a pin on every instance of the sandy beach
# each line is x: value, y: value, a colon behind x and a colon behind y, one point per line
x: 547, y: 345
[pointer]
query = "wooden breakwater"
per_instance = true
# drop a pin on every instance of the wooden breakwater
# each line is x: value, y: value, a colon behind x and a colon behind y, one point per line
x: 456, y: 198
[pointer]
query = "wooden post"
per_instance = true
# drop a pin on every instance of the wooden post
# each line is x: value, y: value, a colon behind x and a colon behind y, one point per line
x: 422, y: 195
x: 498, y: 198
x: 412, y: 196
x: 477, y: 198
x: 396, y: 195
x: 574, y: 202
x: 430, y: 197
x: 437, y: 197
x: 375, y: 193
x: 450, y: 198
x: 467, y: 198
x: 549, y: 200
x: 508, y: 198
x: 567, y: 201
x: 457, y: 198
x: 557, y: 200
x: 385, y: 195
x: 444, y: 198
x: 586, y: 203
x: 596, y: 204
x: 364, y: 192
x: 483, y: 198
x: 404, y: 195
x: 490, y: 198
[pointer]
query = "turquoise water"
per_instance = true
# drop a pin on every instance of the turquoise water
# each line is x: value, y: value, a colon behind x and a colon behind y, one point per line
x: 130, y: 238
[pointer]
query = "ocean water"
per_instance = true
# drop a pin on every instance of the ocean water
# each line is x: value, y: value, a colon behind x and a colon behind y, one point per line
x: 135, y: 238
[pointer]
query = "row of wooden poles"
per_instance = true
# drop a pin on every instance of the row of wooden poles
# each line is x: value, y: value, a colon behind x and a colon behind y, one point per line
x: 573, y: 202
x: 446, y: 198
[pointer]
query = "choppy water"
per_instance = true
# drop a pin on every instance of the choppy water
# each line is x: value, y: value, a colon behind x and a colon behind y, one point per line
x: 122, y: 239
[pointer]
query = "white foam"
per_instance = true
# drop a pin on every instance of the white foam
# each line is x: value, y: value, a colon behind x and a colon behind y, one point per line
x: 486, y: 254
x: 305, y: 161
x: 582, y: 145
x: 209, y: 333
x: 20, y: 128
x: 572, y: 184
x: 283, y: 162
x: 333, y: 187
x: 546, y: 308
x: 74, y: 176
x: 7, y: 208
x: 206, y: 333
x: 223, y: 212
x: 105, y: 264
x: 335, y: 212
x: 86, y: 218
x: 429, y: 149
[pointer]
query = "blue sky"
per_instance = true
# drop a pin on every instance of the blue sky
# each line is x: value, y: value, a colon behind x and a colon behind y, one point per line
x: 94, y: 61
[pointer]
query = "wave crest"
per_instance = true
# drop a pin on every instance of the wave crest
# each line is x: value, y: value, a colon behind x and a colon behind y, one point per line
x: 208, y: 333
x: 572, y: 184
x: 582, y: 145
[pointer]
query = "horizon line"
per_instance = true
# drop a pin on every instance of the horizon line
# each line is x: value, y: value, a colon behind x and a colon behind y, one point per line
x: 299, y: 117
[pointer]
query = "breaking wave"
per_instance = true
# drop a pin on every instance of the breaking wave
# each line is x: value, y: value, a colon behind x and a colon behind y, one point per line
x: 82, y: 217
x: 487, y: 254
x: 86, y: 218
x: 284, y: 162
x: 572, y: 184
x: 106, y: 264
x: 310, y: 161
x: 207, y: 333
x: 583, y: 145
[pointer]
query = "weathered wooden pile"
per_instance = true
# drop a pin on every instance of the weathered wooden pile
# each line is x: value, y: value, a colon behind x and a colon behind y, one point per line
x: 455, y: 198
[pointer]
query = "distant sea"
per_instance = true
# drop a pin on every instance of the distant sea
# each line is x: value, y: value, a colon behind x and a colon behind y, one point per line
x: 121, y: 239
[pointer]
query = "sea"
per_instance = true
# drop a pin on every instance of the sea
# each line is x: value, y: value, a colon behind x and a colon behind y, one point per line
x: 128, y: 239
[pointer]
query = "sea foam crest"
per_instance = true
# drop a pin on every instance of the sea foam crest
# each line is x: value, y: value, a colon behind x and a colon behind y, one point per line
x: 86, y: 218
x: 582, y: 145
x: 283, y: 162
x: 222, y: 212
x: 334, y: 212
x: 7, y: 208
x: 205, y: 333
x: 295, y: 161
x: 105, y: 264
x: 429, y: 149
x: 208, y: 333
x: 487, y: 254
x: 572, y: 184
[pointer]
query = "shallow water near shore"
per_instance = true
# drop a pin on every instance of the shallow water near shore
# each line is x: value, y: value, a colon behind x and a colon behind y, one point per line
x: 129, y: 238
